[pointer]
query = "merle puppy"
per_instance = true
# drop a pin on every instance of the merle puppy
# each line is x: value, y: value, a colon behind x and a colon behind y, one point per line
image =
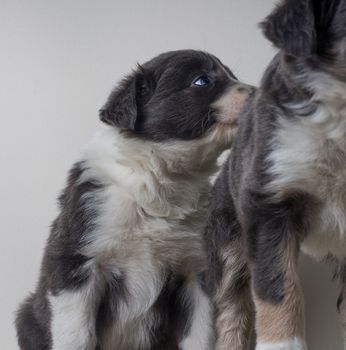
x: 122, y: 265
x: 284, y: 186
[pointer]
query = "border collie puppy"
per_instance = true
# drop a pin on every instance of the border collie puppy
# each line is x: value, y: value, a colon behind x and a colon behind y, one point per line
x: 122, y: 265
x: 283, y: 188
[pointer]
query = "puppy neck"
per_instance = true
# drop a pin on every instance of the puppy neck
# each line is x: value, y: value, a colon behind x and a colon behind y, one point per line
x: 156, y: 176
x: 165, y: 159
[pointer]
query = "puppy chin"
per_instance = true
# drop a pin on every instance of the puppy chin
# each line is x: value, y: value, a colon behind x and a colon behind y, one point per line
x: 230, y: 107
x: 229, y: 121
x: 226, y: 124
x: 223, y: 133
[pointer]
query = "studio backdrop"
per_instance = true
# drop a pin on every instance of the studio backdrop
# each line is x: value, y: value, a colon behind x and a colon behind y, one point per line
x: 58, y: 63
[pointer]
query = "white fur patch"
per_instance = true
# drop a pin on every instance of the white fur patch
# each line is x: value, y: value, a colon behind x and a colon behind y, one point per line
x: 73, y: 320
x: 200, y: 336
x: 309, y: 155
x: 293, y: 344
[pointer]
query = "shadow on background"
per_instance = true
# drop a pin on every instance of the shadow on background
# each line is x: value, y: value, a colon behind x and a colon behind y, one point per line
x: 321, y: 293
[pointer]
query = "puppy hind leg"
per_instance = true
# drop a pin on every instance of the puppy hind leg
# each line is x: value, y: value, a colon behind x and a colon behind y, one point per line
x: 228, y: 277
x: 233, y: 300
x: 199, y: 335
x: 32, y: 333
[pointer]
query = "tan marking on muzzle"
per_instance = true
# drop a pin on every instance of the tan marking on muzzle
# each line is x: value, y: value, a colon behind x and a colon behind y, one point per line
x: 230, y: 105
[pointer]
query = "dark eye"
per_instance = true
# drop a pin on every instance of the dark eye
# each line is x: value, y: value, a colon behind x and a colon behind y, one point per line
x: 202, y: 80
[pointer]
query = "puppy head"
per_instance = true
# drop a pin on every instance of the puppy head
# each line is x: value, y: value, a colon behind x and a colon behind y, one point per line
x: 307, y: 28
x: 178, y: 96
x: 291, y: 27
x: 311, y: 35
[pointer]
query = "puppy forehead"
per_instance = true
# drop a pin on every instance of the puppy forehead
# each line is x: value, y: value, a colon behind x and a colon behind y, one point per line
x: 182, y: 62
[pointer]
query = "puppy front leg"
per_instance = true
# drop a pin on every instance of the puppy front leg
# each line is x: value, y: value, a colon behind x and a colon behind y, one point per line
x: 199, y: 335
x: 276, y: 289
x: 73, y: 317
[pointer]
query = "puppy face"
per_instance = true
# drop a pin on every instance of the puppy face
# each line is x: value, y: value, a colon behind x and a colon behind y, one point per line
x: 180, y: 95
x: 310, y: 33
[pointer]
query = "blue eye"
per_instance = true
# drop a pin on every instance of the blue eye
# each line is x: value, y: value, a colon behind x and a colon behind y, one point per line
x: 201, y: 81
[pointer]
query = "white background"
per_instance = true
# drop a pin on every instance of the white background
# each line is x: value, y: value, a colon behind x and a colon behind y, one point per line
x: 58, y: 62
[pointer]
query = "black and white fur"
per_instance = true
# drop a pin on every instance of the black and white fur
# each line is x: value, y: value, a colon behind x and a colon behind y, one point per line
x: 284, y: 187
x: 122, y: 265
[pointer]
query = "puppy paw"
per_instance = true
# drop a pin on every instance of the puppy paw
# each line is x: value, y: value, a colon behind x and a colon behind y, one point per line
x: 292, y: 344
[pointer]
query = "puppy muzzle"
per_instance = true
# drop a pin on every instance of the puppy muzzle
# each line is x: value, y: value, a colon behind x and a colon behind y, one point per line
x: 231, y: 104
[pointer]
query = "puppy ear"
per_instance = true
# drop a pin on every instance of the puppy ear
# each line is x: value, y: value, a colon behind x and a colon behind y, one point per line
x: 123, y: 106
x: 291, y: 27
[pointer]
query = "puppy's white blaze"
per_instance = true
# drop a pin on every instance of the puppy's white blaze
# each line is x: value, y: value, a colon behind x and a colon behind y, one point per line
x: 73, y: 320
x: 309, y: 155
x: 293, y: 344
x: 200, y: 336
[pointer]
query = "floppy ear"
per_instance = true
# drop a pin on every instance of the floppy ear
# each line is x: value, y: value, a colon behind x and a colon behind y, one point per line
x: 291, y: 27
x: 122, y: 108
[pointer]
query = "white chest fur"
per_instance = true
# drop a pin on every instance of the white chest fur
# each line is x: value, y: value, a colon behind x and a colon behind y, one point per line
x: 310, y: 156
x: 151, y: 215
x: 147, y: 201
